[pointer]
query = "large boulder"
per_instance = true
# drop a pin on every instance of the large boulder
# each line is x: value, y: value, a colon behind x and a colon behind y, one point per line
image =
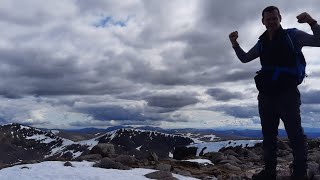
x: 108, y: 163
x: 126, y: 160
x: 160, y: 175
x: 215, y: 157
x: 105, y: 149
x: 184, y: 152
x: 89, y: 157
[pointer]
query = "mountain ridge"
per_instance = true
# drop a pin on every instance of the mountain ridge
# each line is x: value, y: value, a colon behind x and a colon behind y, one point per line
x: 228, y: 133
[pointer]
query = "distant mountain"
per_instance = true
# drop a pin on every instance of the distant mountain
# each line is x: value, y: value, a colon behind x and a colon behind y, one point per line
x: 96, y: 130
x: 23, y: 143
x: 109, y: 129
x: 257, y: 134
x: 224, y: 134
x: 140, y: 142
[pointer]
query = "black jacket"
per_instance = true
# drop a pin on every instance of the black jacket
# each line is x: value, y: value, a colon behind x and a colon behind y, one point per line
x: 275, y: 53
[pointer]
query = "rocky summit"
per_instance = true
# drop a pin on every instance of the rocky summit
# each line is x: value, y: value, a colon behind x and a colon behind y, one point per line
x: 168, y: 153
x: 140, y: 143
x: 21, y: 143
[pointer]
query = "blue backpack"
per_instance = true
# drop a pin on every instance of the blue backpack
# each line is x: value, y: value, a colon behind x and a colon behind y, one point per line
x: 299, y: 70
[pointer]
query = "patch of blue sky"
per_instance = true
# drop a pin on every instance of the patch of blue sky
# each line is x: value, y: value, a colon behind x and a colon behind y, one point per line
x: 107, y: 21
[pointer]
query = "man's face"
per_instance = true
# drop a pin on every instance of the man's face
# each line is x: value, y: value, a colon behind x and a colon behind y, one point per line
x: 271, y: 20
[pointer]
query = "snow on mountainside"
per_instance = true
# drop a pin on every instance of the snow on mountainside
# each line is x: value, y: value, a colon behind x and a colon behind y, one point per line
x: 140, y: 142
x: 30, y: 143
x: 216, y: 146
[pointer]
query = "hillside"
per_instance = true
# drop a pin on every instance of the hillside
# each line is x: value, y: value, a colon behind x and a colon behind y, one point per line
x: 126, y: 149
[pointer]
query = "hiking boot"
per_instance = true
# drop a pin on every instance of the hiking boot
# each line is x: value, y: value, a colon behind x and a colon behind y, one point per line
x: 264, y: 175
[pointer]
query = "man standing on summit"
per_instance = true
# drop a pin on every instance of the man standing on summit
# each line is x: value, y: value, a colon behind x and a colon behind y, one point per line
x: 279, y: 98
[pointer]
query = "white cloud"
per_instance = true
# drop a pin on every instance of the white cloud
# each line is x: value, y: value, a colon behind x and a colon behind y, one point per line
x: 59, y: 69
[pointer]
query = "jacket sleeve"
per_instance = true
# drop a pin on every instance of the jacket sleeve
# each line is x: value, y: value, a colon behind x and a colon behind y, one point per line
x: 252, y: 54
x: 305, y: 39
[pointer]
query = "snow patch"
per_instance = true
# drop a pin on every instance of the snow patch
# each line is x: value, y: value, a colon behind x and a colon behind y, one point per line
x: 212, y: 137
x: 55, y: 132
x: 200, y: 161
x: 42, y: 138
x: 216, y: 146
x: 138, y: 148
x: 53, y: 170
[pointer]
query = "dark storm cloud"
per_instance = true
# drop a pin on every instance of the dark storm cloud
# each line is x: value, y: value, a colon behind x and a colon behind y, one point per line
x: 36, y: 72
x: 223, y: 94
x: 311, y: 97
x: 238, y: 111
x: 106, y: 113
x: 127, y: 115
x: 174, y: 101
x: 205, y: 59
x: 310, y: 108
x: 89, y: 123
x: 189, y: 75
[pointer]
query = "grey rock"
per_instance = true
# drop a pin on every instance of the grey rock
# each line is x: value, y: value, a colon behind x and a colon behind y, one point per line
x: 282, y: 145
x: 314, y: 143
x: 233, y: 158
x: 105, y: 149
x: 313, y: 168
x: 181, y: 172
x: 210, y: 178
x: 252, y: 156
x: 314, y: 156
x: 216, y: 157
x: 126, y: 160
x: 235, y: 177
x: 153, y: 157
x: 159, y: 175
x: 231, y: 167
x: 230, y: 152
x: 108, y: 163
x: 90, y: 157
x: 282, y: 153
x: 163, y: 167
x: 229, y: 162
x: 183, y: 152
x: 188, y: 164
x: 67, y: 164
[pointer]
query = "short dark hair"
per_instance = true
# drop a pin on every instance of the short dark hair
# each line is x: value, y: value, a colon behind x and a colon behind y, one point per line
x: 270, y: 9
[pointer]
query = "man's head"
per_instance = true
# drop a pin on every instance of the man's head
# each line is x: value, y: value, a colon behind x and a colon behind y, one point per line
x: 271, y: 18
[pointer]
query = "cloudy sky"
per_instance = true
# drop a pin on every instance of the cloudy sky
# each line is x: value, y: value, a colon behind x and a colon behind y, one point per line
x: 168, y: 63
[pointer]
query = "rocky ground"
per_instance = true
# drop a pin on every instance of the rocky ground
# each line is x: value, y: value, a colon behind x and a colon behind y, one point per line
x: 230, y: 163
x: 125, y: 149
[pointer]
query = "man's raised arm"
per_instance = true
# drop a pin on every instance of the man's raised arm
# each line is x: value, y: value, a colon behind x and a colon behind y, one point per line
x: 304, y: 38
x: 244, y: 57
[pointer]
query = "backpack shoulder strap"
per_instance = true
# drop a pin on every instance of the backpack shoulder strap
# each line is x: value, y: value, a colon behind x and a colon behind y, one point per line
x: 291, y: 37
